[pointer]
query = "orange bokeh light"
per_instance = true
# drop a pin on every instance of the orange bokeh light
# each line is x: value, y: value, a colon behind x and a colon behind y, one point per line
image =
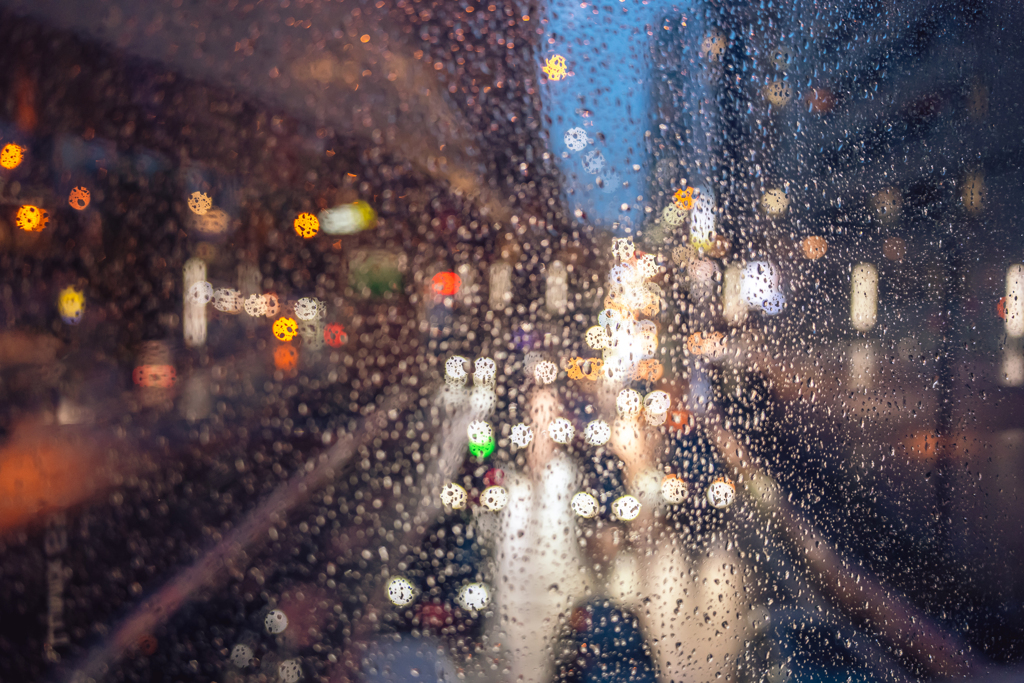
x: 79, y: 198
x: 576, y: 368
x: 678, y: 420
x: 286, y: 357
x: 157, y: 376
x: 683, y: 199
x: 814, y: 247
x: 306, y: 225
x: 649, y: 369
x: 705, y: 343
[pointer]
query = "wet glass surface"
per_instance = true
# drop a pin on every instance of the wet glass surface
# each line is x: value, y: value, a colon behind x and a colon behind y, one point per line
x: 410, y: 341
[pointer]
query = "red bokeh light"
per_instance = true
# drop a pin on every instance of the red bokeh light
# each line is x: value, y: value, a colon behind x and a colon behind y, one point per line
x: 335, y: 335
x: 433, y: 616
x: 159, y: 376
x: 494, y: 477
x: 446, y: 283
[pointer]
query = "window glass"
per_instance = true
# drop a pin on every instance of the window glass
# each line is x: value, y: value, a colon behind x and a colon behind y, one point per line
x: 400, y: 340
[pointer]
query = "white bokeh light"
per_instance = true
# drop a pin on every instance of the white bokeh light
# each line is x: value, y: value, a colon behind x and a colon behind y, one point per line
x: 454, y: 496
x: 561, y: 430
x: 275, y: 622
x: 494, y: 498
x: 626, y: 508
x: 721, y: 493
x: 474, y: 596
x: 521, y: 435
x: 401, y: 591
x: 585, y: 505
x: 597, y: 433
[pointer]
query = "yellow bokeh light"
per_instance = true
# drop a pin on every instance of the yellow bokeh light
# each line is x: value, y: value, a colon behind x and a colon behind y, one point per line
x: 32, y: 218
x: 71, y: 305
x: 285, y: 329
x: 11, y: 155
x: 555, y: 68
x: 306, y: 225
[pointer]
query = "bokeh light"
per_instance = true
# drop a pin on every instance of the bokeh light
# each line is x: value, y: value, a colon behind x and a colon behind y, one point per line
x: 585, y: 505
x: 555, y: 68
x: 775, y: 202
x: 814, y: 247
x: 673, y: 489
x: 474, y: 596
x: 864, y: 297
x: 79, y: 198
x: 401, y: 591
x: 721, y: 493
x: 200, y: 203
x: 335, y: 335
x: 597, y: 433
x: 31, y: 218
x: 285, y: 329
x: 561, y: 430
x: 286, y: 357
x: 71, y: 305
x: 521, y: 435
x: 494, y: 498
x: 713, y: 46
x: 445, y: 283
x: 454, y: 496
x: 155, y: 376
x: 275, y: 622
x: 626, y: 508
x: 11, y: 156
x: 306, y: 225
x: 348, y: 219
x: 778, y: 93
